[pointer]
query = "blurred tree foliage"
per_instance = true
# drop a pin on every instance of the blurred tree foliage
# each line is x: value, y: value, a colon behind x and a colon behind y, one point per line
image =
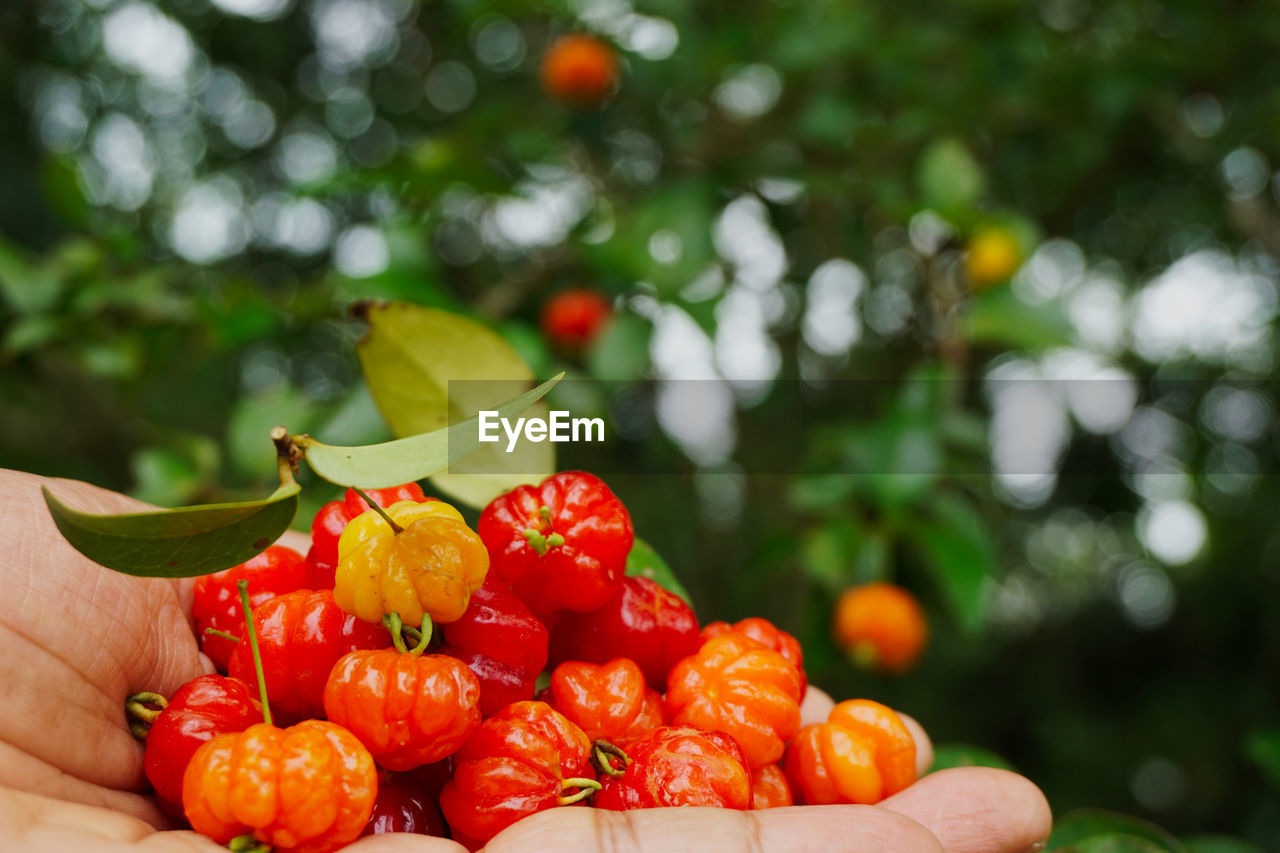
x: 779, y: 195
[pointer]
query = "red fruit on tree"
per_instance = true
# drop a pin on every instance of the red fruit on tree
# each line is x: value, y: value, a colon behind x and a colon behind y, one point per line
x: 571, y: 319
x: 579, y: 69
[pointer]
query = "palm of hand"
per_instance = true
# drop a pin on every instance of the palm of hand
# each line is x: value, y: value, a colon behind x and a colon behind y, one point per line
x: 76, y: 639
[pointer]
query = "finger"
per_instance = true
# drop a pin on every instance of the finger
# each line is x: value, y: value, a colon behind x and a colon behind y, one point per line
x: 295, y: 539
x: 924, y: 746
x: 816, y: 705
x: 403, y: 842
x: 832, y: 829
x: 977, y: 810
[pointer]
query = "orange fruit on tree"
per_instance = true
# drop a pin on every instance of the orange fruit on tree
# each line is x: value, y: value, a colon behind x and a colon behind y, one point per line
x: 994, y: 255
x: 580, y: 70
x: 880, y: 626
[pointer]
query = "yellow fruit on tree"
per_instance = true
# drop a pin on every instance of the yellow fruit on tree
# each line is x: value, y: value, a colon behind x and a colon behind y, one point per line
x: 993, y: 257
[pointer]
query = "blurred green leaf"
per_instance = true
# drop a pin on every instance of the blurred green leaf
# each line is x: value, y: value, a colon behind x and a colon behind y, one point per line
x: 958, y: 546
x: 621, y: 352
x: 1219, y: 844
x: 999, y: 318
x: 950, y: 180
x: 1263, y: 749
x: 1096, y: 829
x: 176, y: 473
x: 177, y: 543
x: 645, y: 562
x: 248, y: 447
x: 947, y: 755
x: 26, y: 286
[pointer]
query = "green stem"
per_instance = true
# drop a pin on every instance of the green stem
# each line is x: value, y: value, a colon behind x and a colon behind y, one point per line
x: 141, y: 715
x: 214, y: 632
x: 248, y: 844
x: 588, y: 786
x: 602, y: 753
x: 243, y: 586
x: 373, y: 505
x: 421, y: 636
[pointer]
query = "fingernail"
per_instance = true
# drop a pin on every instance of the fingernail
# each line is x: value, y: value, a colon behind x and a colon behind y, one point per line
x: 1037, y: 847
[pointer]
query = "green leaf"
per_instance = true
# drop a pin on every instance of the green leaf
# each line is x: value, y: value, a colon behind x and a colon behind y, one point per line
x: 957, y: 546
x: 621, y: 352
x: 645, y: 562
x: 177, y: 543
x: 378, y: 466
x: 1097, y: 830
x: 1263, y: 749
x: 1118, y: 842
x: 999, y: 318
x: 427, y: 368
x: 950, y: 180
x: 947, y: 755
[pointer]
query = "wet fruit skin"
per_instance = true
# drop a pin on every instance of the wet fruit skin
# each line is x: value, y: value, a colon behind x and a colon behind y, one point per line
x: 673, y: 766
x: 608, y: 701
x: 742, y: 688
x: 862, y: 754
x: 571, y: 319
x: 881, y: 626
x: 764, y: 631
x: 431, y: 567
x: 579, y: 69
x: 404, y: 805
x: 515, y: 765
x: 309, y: 788
x: 562, y: 545
x: 202, y: 709
x: 502, y: 642
x: 216, y: 601
x: 407, y: 710
x: 302, y: 635
x: 643, y: 622
x: 769, y: 788
x: 333, y: 518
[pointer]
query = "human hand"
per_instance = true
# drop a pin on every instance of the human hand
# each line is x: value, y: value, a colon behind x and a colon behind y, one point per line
x: 76, y: 639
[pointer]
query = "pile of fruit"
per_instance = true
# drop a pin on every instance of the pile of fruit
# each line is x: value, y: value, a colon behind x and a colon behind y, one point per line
x: 404, y: 655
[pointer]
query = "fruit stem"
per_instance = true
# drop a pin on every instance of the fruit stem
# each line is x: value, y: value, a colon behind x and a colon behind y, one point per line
x: 136, y: 707
x: 588, y: 786
x: 248, y: 844
x: 214, y: 632
x: 243, y: 586
x: 601, y: 753
x: 395, y: 528
x: 421, y: 636
x: 288, y: 455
